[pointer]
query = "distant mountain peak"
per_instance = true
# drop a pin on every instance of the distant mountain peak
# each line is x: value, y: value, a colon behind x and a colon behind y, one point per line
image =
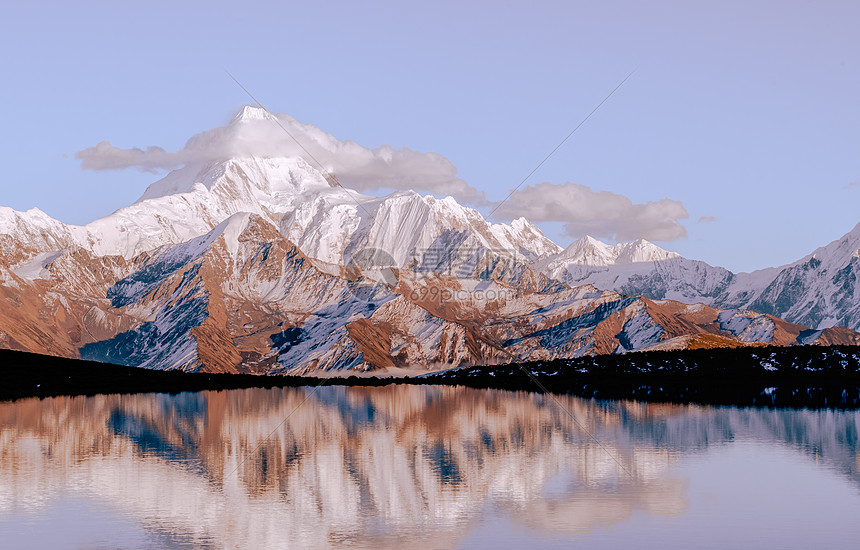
x: 253, y: 112
x: 641, y: 250
x: 590, y: 251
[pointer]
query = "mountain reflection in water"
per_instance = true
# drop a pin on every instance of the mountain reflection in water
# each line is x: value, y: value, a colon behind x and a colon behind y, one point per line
x: 381, y: 467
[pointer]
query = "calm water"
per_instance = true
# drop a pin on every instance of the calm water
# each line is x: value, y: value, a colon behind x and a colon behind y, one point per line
x: 429, y: 467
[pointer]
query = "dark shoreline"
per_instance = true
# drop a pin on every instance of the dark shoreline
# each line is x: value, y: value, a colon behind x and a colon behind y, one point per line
x: 798, y: 377
x: 32, y: 375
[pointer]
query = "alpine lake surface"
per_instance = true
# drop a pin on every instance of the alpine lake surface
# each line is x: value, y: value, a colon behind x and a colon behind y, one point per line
x: 421, y: 467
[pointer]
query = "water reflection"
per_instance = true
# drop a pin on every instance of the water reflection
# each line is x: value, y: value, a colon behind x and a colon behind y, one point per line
x: 380, y: 467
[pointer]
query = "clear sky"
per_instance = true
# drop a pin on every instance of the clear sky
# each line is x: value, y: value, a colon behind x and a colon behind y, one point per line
x: 745, y: 112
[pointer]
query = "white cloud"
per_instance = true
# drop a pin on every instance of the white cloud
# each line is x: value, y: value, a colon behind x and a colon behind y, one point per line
x: 706, y: 219
x: 260, y: 134
x: 851, y: 185
x: 597, y: 213
x: 105, y: 156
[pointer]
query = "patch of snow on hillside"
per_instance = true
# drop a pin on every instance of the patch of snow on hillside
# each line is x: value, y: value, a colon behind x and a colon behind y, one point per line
x: 37, y: 268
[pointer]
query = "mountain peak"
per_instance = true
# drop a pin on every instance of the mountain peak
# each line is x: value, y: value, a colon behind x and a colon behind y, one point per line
x: 590, y: 251
x: 253, y: 112
x: 520, y: 223
x: 588, y: 240
x: 641, y: 250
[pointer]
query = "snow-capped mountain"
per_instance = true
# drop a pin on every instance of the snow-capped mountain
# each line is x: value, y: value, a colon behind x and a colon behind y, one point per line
x: 590, y: 251
x: 325, y: 220
x: 818, y: 290
x: 636, y: 268
x: 268, y: 265
x: 243, y: 298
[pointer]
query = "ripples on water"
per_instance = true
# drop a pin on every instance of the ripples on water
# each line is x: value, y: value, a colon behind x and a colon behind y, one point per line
x: 430, y: 467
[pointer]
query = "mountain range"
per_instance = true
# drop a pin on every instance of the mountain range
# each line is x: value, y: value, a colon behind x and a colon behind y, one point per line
x: 267, y: 265
x: 819, y: 290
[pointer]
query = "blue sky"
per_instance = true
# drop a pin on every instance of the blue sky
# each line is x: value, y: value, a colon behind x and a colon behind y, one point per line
x: 745, y: 112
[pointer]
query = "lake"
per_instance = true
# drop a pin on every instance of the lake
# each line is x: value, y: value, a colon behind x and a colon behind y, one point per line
x: 421, y: 466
